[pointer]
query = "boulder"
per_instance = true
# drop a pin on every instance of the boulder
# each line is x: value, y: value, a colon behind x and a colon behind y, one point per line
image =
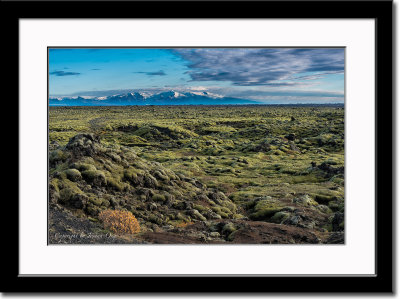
x: 73, y: 174
x: 305, y: 200
x: 84, y: 144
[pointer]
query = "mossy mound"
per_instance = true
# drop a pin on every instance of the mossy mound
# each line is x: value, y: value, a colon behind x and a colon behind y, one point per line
x: 94, y: 177
x: 73, y: 174
x: 264, y: 209
x: 115, y: 177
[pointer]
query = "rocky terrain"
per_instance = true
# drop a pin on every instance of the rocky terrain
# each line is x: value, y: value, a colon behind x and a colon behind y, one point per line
x: 88, y: 176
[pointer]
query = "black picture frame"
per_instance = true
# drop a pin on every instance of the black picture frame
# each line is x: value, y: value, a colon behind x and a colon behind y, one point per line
x: 381, y: 11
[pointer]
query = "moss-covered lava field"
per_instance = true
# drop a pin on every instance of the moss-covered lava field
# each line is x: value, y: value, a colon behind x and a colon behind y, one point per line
x: 198, y: 174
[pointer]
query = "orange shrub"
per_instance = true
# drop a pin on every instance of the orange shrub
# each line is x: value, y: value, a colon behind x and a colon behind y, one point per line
x: 119, y: 222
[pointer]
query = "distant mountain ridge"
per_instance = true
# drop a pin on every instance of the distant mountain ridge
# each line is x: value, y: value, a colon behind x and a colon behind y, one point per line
x: 143, y: 98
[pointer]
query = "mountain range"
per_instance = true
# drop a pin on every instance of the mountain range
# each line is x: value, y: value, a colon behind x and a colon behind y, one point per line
x: 143, y: 98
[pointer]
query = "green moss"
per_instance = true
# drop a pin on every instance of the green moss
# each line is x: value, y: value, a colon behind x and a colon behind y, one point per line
x: 90, y: 175
x: 73, y: 174
x: 68, y: 190
x: 180, y: 216
x: 226, y: 210
x: 248, y: 205
x: 324, y: 198
x: 238, y: 216
x: 105, y: 202
x: 306, y: 178
x: 94, y: 176
x: 246, y: 143
x: 217, y: 129
x: 336, y: 206
x: 305, y: 200
x: 200, y: 208
x: 279, y: 217
x: 66, y: 195
x: 150, y: 181
x: 134, y: 176
x: 324, y: 209
x: 338, y: 179
x: 159, y: 174
x: 95, y: 200
x: 277, y: 152
x: 228, y: 206
x: 158, y: 197
x: 54, y: 182
x: 65, y: 183
x: 223, y: 215
x: 92, y: 210
x: 266, y: 208
x: 216, y: 209
x: 84, y: 167
x: 57, y: 156
x: 198, y: 215
x: 229, y: 228
x: 155, y: 219
x: 114, y: 183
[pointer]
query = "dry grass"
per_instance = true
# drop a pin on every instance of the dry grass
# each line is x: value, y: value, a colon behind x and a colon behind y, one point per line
x: 120, y: 222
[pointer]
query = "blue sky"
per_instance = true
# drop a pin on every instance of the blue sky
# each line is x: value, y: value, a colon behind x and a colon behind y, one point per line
x: 268, y: 75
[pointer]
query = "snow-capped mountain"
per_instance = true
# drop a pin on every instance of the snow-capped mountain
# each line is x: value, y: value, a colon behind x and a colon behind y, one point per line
x: 170, y: 97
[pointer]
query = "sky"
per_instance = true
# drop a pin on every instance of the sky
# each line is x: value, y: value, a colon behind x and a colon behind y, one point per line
x: 267, y: 75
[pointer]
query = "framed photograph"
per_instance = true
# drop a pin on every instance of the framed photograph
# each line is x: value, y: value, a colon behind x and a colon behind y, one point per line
x: 200, y: 149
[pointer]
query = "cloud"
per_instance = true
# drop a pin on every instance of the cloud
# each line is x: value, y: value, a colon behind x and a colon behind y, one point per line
x: 62, y: 73
x: 283, y: 93
x: 158, y: 73
x: 260, y: 66
x: 316, y: 76
x: 298, y: 100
